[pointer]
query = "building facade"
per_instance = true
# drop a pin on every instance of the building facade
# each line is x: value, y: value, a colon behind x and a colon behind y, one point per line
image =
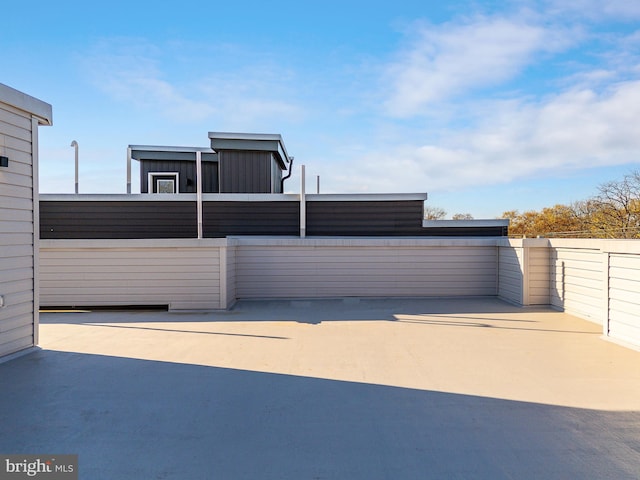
x: 20, y: 117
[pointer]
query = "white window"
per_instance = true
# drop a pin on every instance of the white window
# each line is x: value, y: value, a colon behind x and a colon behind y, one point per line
x: 163, y: 182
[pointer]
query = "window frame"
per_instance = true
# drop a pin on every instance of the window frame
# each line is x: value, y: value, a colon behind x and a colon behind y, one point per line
x: 154, y: 177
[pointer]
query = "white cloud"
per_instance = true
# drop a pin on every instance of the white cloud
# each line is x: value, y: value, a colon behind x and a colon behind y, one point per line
x: 576, y: 129
x: 451, y: 59
x: 129, y: 71
x: 596, y: 9
x: 253, y: 96
x: 134, y: 72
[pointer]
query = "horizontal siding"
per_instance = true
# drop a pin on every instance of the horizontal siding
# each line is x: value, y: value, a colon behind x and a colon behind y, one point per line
x: 182, y: 278
x: 12, y: 117
x: 624, y: 294
x: 221, y: 219
x: 510, y: 282
x: 231, y: 275
x: 117, y: 220
x: 539, y: 268
x: 136, y: 272
x: 281, y: 271
x: 577, y: 285
x: 146, y: 218
x: 16, y: 232
x: 364, y: 218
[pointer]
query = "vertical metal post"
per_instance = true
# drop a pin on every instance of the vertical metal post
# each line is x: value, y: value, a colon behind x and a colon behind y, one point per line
x: 199, y: 191
x: 525, y: 271
x: 606, y: 320
x: 318, y: 184
x: 74, y: 144
x: 303, y: 204
x: 35, y: 149
x: 129, y: 170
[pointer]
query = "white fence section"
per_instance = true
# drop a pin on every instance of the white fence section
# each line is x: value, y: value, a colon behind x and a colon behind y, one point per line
x: 624, y: 297
x: 523, y: 271
x: 291, y: 267
x: 183, y: 274
x: 511, y: 271
x: 598, y: 280
x: 228, y: 275
x: 538, y: 276
x: 577, y: 281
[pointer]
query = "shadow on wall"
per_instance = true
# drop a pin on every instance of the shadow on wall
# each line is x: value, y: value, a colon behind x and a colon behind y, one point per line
x: 134, y: 419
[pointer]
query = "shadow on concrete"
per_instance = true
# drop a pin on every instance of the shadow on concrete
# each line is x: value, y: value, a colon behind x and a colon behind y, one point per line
x: 299, y: 310
x: 173, y: 330
x: 483, y: 312
x: 139, y: 419
x: 482, y: 322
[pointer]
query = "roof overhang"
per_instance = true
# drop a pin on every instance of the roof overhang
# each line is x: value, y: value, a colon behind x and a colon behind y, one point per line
x: 160, y: 152
x: 269, y: 142
x: 31, y: 105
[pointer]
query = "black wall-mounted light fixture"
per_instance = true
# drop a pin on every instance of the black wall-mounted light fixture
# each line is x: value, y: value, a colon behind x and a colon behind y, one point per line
x: 4, y: 161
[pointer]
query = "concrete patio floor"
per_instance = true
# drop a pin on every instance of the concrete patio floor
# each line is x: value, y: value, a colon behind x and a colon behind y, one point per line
x: 328, y: 389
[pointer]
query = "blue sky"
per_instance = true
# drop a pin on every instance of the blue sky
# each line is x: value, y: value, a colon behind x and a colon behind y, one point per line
x: 488, y: 106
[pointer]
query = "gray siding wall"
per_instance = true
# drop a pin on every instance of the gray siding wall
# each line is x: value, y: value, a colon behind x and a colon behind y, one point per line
x: 624, y: 297
x: 325, y: 218
x: 118, y: 219
x: 16, y: 232
x: 281, y: 268
x: 222, y: 218
x: 276, y: 176
x: 186, y: 173
x: 158, y: 216
x: 183, y: 274
x: 245, y: 171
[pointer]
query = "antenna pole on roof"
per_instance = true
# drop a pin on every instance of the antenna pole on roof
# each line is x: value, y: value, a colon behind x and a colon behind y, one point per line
x: 129, y: 170
x: 199, y: 191
x: 74, y: 144
x: 303, y: 204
